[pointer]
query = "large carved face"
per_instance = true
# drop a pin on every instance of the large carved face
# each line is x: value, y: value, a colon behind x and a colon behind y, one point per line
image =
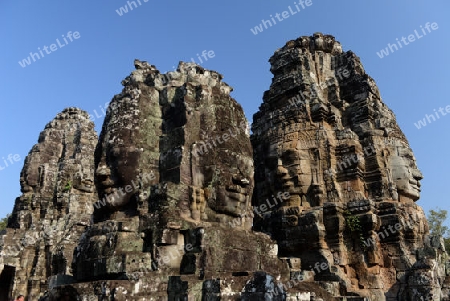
x: 119, y: 174
x: 405, y: 174
x: 117, y: 170
x: 294, y: 170
x: 233, y: 184
x: 289, y: 168
x: 225, y: 172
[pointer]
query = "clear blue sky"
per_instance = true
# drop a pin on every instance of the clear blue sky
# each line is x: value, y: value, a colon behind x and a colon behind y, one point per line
x: 87, y: 72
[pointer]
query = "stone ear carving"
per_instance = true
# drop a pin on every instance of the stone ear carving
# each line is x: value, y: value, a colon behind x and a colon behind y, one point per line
x: 198, y: 203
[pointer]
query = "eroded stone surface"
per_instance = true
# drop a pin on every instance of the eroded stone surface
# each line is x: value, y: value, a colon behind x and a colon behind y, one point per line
x: 176, y: 203
x: 324, y: 135
x: 57, y: 182
x: 191, y: 219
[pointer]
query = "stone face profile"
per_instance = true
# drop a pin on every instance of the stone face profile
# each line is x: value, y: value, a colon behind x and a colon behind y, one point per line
x: 176, y: 200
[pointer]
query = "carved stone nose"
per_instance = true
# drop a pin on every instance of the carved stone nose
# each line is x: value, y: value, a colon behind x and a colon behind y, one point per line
x: 245, y: 182
x: 103, y: 171
x: 281, y: 171
x: 417, y: 174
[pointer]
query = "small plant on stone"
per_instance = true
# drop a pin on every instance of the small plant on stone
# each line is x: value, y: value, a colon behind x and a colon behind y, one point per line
x: 68, y: 186
x: 215, y: 179
x: 354, y: 224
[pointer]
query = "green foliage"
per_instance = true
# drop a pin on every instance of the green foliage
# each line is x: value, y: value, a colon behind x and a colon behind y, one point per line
x: 68, y: 186
x: 436, y: 219
x: 4, y: 223
x: 352, y: 221
x: 435, y: 222
x: 447, y: 244
x: 215, y: 179
x: 354, y: 224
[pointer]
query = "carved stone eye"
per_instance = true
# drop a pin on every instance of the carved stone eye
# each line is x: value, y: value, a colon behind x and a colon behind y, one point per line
x: 292, y: 220
x: 243, y: 182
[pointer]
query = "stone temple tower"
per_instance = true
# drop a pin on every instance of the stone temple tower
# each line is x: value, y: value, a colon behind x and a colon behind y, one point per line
x: 324, y: 135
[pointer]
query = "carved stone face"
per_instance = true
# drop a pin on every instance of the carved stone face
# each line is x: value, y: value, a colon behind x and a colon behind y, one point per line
x: 118, y: 168
x: 83, y: 182
x: 224, y: 166
x: 294, y: 171
x: 405, y: 174
x: 234, y: 186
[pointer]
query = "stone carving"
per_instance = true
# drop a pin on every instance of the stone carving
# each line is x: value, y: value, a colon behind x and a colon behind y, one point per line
x: 344, y: 161
x: 57, y: 183
x: 178, y: 202
x: 192, y: 222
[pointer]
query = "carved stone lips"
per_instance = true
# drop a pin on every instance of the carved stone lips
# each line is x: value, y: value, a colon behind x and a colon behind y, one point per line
x: 237, y: 196
x: 415, y: 185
